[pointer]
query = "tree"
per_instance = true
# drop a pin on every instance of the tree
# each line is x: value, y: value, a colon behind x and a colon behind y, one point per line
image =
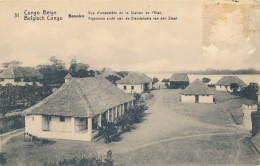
x: 11, y: 63
x: 206, y: 80
x: 80, y: 70
x: 155, y: 80
x: 56, y: 63
x: 234, y: 87
x: 250, y: 91
x: 112, y: 79
x: 122, y: 73
x: 7, y: 99
x: 166, y: 81
x: 53, y: 74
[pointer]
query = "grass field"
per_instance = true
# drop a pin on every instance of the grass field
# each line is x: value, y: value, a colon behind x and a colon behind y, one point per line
x: 172, y: 133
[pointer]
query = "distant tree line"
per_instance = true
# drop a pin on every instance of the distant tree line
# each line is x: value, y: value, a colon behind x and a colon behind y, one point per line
x: 224, y: 71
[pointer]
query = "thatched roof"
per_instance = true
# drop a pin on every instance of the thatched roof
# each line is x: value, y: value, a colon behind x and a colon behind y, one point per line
x: 81, y: 97
x: 135, y: 78
x: 68, y: 76
x: 108, y: 72
x: 20, y: 72
x: 180, y: 77
x: 197, y: 88
x: 227, y: 80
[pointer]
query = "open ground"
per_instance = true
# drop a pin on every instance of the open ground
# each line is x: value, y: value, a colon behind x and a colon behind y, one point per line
x: 172, y: 133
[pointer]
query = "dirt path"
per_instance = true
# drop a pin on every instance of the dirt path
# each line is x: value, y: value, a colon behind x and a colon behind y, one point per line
x: 10, y: 135
x: 169, y: 122
x: 188, y: 137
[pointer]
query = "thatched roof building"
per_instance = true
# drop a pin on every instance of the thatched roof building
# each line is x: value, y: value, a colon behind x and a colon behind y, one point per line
x: 135, y: 78
x: 179, y: 80
x: 108, y: 72
x: 197, y: 88
x: 224, y: 83
x: 227, y: 80
x: 135, y: 82
x: 81, y: 97
x: 180, y: 77
x: 197, y: 92
x: 20, y: 72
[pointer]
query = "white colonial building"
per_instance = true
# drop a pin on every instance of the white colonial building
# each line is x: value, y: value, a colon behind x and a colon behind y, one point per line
x: 76, y: 110
x: 135, y: 82
x: 20, y: 76
x: 224, y: 83
x: 197, y: 92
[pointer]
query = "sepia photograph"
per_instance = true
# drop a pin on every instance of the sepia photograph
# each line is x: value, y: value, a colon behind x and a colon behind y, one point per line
x: 122, y: 83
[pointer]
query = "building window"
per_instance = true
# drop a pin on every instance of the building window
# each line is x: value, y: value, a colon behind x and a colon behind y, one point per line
x: 17, y: 80
x: 62, y: 119
x: 124, y: 87
x: 33, y: 118
x: 132, y: 87
x: 2, y: 80
x: 220, y: 86
x: 26, y: 80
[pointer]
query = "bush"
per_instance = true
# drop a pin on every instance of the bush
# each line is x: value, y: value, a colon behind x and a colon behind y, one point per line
x: 83, y: 161
x: 108, y: 130
x: 131, y: 116
x: 2, y: 158
x: 206, y: 80
x: 124, y: 123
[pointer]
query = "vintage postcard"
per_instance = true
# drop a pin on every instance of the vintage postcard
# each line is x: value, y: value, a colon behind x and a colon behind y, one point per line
x: 142, y: 82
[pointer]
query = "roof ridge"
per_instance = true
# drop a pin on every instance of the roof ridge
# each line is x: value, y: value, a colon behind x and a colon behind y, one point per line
x: 12, y: 70
x: 80, y: 91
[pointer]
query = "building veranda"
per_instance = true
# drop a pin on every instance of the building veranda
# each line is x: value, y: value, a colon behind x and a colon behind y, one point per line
x: 76, y: 110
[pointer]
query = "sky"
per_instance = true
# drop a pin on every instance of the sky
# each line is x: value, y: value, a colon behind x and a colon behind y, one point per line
x: 199, y: 39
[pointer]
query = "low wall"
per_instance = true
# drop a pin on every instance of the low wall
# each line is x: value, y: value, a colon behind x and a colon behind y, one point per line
x: 249, y: 107
x: 5, y: 135
x: 255, y: 123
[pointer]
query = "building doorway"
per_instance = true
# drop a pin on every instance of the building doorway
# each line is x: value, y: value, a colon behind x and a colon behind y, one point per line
x: 196, y: 98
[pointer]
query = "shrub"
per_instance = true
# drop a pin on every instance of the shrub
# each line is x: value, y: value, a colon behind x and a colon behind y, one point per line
x: 234, y: 87
x: 123, y: 122
x: 206, y: 80
x: 2, y: 158
x: 83, y: 161
x: 108, y: 130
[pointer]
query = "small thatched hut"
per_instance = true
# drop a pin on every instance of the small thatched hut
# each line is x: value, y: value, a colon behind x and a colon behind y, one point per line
x: 135, y: 82
x: 224, y: 83
x: 197, y: 92
x: 179, y: 80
